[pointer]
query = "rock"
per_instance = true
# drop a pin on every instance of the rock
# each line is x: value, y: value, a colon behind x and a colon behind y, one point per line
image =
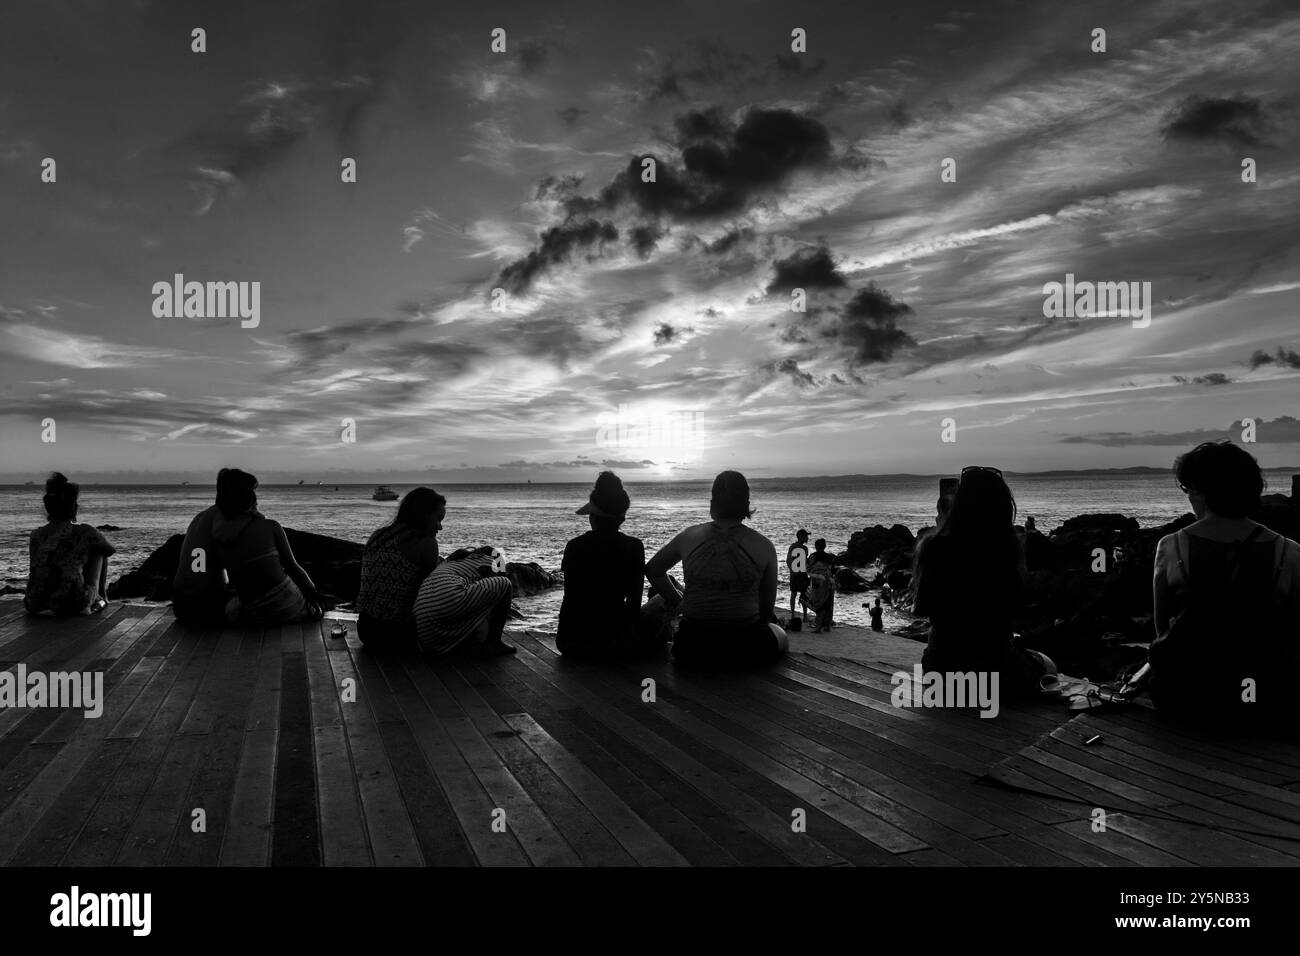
x: 531, y: 578
x: 867, y: 545
x: 1105, y: 522
x: 848, y: 581
x: 107, y: 527
x: 10, y: 589
x: 1279, y: 513
x: 333, y: 564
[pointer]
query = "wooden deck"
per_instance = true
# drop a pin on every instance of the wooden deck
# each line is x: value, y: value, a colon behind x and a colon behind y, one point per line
x: 255, y: 728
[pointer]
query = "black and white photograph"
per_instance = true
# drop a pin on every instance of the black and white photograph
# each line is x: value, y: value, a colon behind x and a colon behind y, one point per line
x: 732, y: 434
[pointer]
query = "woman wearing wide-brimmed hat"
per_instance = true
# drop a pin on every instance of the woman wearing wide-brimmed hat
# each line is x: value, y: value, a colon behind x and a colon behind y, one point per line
x: 601, y: 617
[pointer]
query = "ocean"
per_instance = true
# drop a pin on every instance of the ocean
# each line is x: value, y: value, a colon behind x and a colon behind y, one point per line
x: 533, y: 522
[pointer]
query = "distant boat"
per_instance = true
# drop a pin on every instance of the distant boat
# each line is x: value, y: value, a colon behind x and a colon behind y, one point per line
x: 300, y: 481
x: 184, y: 484
x: 384, y: 493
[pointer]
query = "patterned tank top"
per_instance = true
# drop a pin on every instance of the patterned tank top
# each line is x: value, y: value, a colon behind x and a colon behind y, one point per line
x: 389, y: 580
x: 722, y: 578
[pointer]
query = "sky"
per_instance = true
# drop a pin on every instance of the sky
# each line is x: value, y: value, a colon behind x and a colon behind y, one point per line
x: 501, y: 295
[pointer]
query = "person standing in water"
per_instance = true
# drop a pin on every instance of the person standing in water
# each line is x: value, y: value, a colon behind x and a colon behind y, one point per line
x: 796, y: 562
x: 877, y: 616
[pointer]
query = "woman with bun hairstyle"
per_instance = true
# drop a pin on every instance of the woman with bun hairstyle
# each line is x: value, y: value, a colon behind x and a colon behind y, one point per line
x: 730, y: 585
x: 69, y: 562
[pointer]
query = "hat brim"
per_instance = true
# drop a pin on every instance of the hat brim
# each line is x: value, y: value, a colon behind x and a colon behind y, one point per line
x: 590, y: 508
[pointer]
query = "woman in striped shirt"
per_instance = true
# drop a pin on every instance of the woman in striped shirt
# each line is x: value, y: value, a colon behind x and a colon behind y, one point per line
x: 464, y: 603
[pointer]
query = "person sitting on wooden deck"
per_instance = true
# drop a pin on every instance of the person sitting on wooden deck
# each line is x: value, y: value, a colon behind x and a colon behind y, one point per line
x: 973, y: 561
x: 1227, y: 601
x: 730, y: 586
x: 601, y: 617
x: 397, y: 559
x: 270, y: 586
x: 68, y: 573
x: 199, y: 591
x: 464, y: 605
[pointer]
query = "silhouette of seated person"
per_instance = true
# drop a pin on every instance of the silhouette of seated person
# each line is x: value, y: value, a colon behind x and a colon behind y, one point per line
x: 730, y: 585
x: 68, y: 562
x: 1226, y: 593
x: 973, y: 561
x: 601, y: 616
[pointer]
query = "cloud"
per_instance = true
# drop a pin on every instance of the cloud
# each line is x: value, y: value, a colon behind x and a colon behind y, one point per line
x: 557, y: 245
x: 1213, y: 378
x: 1238, y: 120
x: 267, y: 123
x: 807, y: 268
x: 868, y: 325
x: 1283, y: 430
x: 1284, y: 356
x: 571, y: 115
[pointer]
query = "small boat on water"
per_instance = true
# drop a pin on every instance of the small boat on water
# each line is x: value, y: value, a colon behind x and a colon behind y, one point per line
x: 384, y: 493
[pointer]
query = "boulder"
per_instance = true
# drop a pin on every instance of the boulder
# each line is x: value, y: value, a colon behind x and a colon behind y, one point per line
x: 1100, y: 522
x: 848, y: 581
x: 531, y: 578
x: 867, y: 545
x: 333, y: 564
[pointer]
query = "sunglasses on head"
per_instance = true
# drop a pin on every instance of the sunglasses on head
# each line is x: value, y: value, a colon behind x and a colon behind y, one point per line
x: 974, y: 468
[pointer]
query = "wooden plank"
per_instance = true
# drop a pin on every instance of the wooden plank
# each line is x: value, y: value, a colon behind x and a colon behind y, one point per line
x: 675, y: 812
x: 539, y: 838
x: 392, y: 840
x: 21, y: 814
x: 872, y: 817
x: 264, y: 714
x: 225, y: 696
x: 50, y: 837
x: 642, y: 843
x: 105, y: 832
x: 1199, y: 845
x: 247, y: 838
x: 295, y: 837
x: 163, y: 809
x: 1119, y: 844
x: 464, y: 793
x: 577, y: 826
x: 343, y: 831
x: 739, y: 805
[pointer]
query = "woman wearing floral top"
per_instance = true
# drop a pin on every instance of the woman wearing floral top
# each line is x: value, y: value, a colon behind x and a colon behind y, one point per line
x: 69, y: 561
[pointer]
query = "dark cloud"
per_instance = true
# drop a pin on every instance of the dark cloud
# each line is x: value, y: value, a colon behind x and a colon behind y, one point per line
x: 729, y: 240
x: 1238, y: 120
x: 869, y: 325
x: 789, y: 367
x: 532, y: 56
x: 557, y: 244
x: 666, y: 332
x: 558, y: 188
x: 644, y: 238
x: 1283, y: 430
x: 808, y: 268
x: 571, y: 115
x: 724, y: 167
x: 1284, y: 356
x: 627, y: 464
x: 796, y: 66
x: 1213, y: 378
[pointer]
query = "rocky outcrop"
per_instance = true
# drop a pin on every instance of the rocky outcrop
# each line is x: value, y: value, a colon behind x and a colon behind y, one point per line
x: 867, y: 545
x: 333, y: 564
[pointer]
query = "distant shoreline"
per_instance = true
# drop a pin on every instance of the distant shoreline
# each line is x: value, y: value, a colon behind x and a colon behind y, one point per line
x: 202, y: 482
